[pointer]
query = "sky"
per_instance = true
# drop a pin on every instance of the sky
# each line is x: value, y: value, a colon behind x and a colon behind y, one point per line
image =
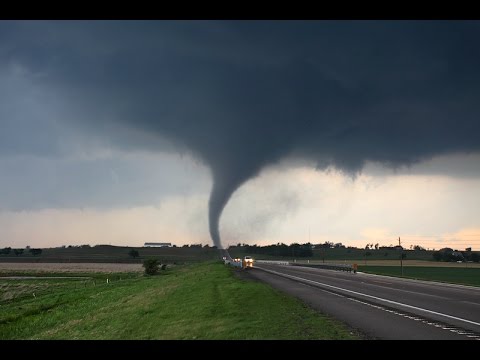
x: 226, y: 132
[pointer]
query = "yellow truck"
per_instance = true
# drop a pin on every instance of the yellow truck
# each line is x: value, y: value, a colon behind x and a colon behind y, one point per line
x: 247, y: 262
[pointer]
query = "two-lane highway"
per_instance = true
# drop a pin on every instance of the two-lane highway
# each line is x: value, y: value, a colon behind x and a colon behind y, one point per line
x: 382, y: 307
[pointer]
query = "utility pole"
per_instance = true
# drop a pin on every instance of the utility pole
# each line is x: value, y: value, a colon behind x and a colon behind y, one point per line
x: 365, y: 253
x: 401, y: 255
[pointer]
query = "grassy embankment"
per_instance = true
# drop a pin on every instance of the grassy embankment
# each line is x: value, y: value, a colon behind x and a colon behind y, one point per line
x: 199, y: 301
x: 465, y: 276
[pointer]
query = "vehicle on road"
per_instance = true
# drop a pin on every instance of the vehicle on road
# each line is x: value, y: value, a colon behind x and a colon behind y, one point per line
x: 247, y: 262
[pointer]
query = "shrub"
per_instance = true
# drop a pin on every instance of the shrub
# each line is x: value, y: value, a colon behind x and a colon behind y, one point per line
x: 151, y: 266
x: 134, y: 253
x: 475, y: 257
x: 36, y: 252
x: 18, y: 252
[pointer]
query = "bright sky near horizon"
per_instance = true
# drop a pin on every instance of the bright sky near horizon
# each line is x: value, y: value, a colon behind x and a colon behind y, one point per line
x: 125, y: 132
x: 284, y: 204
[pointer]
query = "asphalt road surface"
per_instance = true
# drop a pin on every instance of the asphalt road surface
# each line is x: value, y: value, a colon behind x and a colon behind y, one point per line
x: 382, y: 307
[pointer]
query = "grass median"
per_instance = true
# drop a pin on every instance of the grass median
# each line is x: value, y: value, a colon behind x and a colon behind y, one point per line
x: 464, y: 276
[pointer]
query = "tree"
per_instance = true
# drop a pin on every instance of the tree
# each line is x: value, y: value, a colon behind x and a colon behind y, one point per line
x: 35, y: 252
x: 404, y: 256
x: 133, y: 253
x: 5, y: 251
x: 475, y: 257
x: 448, y: 254
x: 367, y: 253
x: 151, y: 266
x: 18, y: 252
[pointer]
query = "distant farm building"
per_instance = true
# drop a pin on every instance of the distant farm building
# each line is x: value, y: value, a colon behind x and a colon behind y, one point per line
x: 152, y: 244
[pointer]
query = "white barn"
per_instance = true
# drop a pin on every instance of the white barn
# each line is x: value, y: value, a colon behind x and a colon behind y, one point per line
x: 152, y: 244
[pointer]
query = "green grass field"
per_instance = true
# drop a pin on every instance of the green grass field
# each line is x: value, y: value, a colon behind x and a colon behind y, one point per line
x: 466, y: 276
x: 197, y: 301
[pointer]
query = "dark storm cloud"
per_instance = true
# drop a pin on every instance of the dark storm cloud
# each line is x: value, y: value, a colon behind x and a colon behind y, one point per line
x: 242, y: 95
x: 34, y: 183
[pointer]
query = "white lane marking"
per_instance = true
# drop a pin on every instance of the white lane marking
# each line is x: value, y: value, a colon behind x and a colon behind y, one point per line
x: 423, y: 294
x: 470, y: 302
x: 426, y: 282
x: 453, y: 330
x: 382, y: 282
x: 375, y: 297
x: 396, y: 281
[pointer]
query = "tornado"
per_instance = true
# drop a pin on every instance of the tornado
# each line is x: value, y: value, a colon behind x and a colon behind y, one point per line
x: 224, y: 185
x: 219, y: 196
x: 218, y: 199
